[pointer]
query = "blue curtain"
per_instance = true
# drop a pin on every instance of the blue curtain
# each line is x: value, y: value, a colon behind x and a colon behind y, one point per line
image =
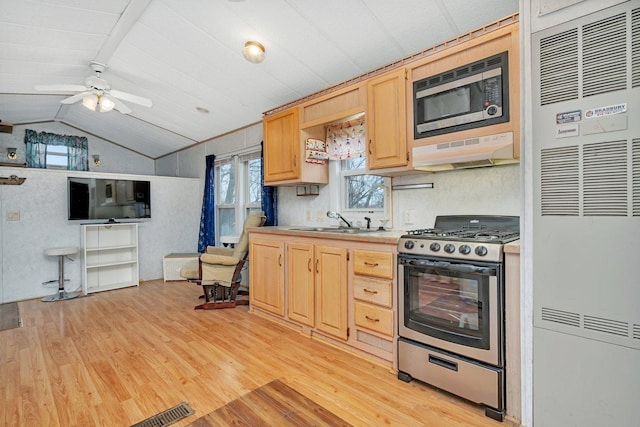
x: 36, y: 149
x: 269, y: 196
x: 207, y: 235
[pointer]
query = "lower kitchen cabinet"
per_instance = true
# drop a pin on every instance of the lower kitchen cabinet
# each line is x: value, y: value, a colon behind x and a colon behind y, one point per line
x: 336, y: 290
x: 331, y: 291
x: 266, y: 269
x: 317, y: 287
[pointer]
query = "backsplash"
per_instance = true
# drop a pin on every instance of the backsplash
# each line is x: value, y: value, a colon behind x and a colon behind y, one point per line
x: 483, y: 191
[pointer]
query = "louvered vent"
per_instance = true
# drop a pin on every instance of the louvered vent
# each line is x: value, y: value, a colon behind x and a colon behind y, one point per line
x: 635, y: 176
x: 607, y: 326
x: 560, y: 189
x: 636, y: 331
x: 605, y: 179
x: 604, y: 55
x: 635, y: 47
x: 559, y: 67
x: 559, y: 316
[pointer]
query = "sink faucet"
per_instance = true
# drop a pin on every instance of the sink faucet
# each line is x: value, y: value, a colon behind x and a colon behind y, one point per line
x: 366, y: 218
x: 336, y: 215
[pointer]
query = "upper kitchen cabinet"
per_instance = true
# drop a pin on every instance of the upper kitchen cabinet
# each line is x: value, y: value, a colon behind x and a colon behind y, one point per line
x: 386, y: 121
x: 284, y: 153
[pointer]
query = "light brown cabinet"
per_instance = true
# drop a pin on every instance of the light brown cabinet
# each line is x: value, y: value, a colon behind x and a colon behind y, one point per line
x: 386, y: 121
x: 284, y: 151
x: 317, y: 287
x: 266, y: 266
x: 281, y: 146
x: 373, y: 291
x: 340, y: 290
x: 301, y: 283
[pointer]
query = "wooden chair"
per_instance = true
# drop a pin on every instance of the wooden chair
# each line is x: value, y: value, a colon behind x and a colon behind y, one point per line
x: 219, y: 270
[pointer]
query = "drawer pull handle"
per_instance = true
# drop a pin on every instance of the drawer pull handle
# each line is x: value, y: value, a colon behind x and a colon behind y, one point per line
x: 309, y: 265
x: 371, y: 319
x: 371, y: 264
x: 369, y: 291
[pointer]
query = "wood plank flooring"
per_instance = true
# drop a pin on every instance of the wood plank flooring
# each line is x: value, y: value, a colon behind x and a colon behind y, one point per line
x: 116, y: 358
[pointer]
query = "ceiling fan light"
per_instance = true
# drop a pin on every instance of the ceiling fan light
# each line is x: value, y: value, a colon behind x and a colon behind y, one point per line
x: 253, y: 51
x: 90, y: 102
x: 106, y: 104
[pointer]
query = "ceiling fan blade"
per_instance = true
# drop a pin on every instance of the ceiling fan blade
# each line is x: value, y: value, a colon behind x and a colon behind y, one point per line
x: 145, y: 102
x: 119, y: 105
x: 60, y: 88
x: 75, y: 98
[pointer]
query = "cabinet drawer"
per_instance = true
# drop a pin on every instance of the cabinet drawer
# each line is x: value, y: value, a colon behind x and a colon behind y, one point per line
x: 374, y: 318
x: 370, y: 263
x: 376, y: 291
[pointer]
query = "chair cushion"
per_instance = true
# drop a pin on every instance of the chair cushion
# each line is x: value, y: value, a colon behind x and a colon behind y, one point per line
x: 219, y: 259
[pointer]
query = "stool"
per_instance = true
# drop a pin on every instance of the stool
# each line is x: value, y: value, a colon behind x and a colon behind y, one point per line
x: 61, y: 253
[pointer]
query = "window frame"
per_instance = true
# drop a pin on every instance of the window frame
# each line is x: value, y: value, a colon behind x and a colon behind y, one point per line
x: 241, y: 205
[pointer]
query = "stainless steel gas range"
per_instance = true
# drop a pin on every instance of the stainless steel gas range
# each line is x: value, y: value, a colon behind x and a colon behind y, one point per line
x: 451, y: 307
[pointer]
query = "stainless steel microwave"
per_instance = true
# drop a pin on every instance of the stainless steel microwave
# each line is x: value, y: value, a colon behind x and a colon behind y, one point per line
x: 467, y: 97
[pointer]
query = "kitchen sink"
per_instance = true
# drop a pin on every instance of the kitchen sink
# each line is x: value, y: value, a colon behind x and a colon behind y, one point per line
x: 335, y: 230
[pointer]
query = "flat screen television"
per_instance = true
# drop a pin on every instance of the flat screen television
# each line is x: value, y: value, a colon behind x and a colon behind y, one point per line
x: 108, y: 199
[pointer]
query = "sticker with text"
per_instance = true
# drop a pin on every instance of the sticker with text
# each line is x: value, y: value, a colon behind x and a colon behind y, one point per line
x: 569, y: 117
x: 609, y: 110
x: 567, y: 131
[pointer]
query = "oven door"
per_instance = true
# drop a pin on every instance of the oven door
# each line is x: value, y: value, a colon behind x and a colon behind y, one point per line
x: 454, y: 306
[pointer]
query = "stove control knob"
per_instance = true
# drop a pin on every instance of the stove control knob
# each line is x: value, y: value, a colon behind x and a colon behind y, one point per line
x: 481, y: 250
x: 449, y: 248
x: 464, y: 249
x: 409, y: 244
x: 435, y: 247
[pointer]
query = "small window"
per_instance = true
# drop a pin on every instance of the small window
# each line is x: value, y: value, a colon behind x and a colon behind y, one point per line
x: 362, y: 192
x: 57, y: 157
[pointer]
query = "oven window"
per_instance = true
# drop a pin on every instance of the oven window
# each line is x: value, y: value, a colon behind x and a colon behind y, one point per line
x: 449, y: 305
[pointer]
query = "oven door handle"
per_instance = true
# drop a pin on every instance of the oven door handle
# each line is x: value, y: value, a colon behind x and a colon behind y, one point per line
x: 462, y: 268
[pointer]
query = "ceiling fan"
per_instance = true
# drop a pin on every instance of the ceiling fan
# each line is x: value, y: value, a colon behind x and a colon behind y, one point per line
x: 96, y: 94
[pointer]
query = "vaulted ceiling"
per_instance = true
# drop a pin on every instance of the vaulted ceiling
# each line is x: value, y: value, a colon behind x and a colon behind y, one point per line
x: 186, y: 55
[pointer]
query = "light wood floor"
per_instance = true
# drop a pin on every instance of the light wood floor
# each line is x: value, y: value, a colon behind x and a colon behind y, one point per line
x: 115, y: 358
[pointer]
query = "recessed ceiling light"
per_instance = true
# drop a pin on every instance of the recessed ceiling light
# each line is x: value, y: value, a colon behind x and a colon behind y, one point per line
x: 202, y: 110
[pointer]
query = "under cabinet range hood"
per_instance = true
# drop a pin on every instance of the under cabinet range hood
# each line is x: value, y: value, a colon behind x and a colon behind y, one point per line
x: 469, y: 153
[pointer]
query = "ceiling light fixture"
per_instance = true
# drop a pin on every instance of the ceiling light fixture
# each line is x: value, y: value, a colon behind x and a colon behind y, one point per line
x: 253, y: 51
x: 102, y: 103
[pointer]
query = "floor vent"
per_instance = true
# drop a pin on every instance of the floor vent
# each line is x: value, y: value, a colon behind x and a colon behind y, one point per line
x: 167, y: 417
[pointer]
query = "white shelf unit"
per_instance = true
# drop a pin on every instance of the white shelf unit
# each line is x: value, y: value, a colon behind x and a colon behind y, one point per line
x: 110, y: 256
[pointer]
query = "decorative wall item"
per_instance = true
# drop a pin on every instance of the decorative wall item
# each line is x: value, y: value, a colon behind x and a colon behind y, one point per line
x: 346, y: 140
x: 12, y: 180
x: 315, y: 151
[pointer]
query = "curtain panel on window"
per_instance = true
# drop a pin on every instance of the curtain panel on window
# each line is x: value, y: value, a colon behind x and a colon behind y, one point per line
x: 346, y: 140
x: 207, y: 236
x: 36, y: 149
x: 269, y: 195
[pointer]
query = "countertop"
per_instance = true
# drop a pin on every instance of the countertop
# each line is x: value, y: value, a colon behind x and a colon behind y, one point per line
x: 512, y: 247
x: 387, y: 236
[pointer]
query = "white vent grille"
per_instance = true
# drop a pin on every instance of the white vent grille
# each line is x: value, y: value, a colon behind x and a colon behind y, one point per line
x: 635, y: 184
x: 607, y: 326
x: 635, y: 47
x: 560, y: 316
x: 605, y: 179
x: 559, y: 67
x: 604, y: 55
x: 636, y: 331
x: 560, y: 189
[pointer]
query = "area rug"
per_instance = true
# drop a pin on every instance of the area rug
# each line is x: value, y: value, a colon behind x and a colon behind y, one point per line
x: 9, y: 316
x: 274, y: 404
